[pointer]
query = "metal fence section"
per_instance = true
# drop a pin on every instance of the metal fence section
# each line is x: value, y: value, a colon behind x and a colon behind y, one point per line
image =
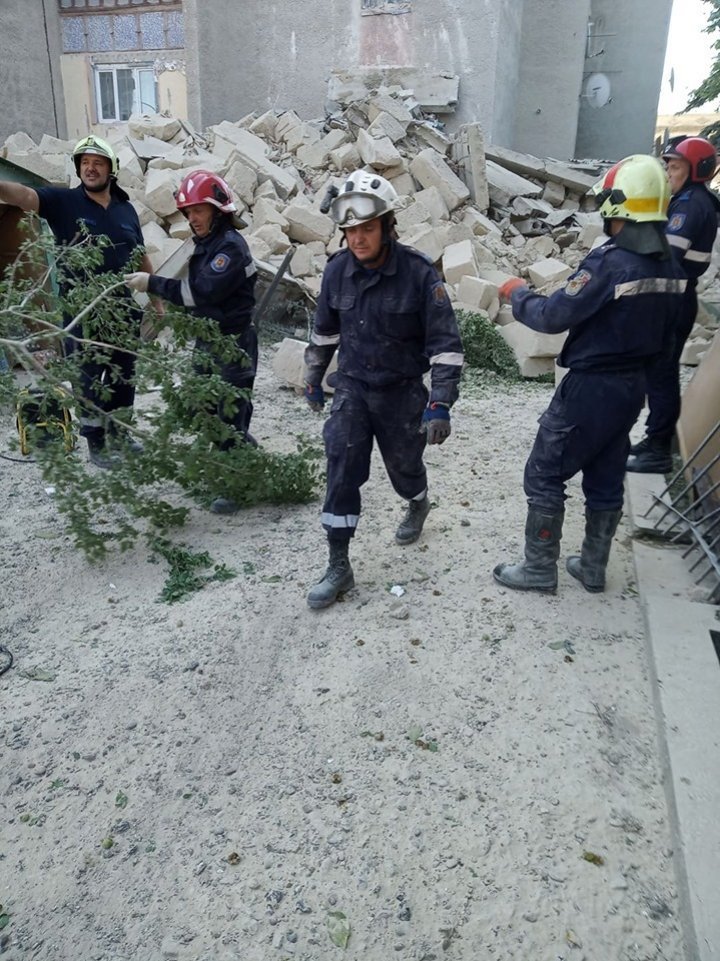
x: 690, y: 513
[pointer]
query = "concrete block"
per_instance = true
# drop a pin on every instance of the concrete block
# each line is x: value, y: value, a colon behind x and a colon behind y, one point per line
x: 539, y: 247
x: 300, y: 136
x: 57, y: 169
x: 345, y: 157
x: 403, y: 184
x: 50, y: 144
x: 694, y: 350
x: 427, y: 135
x: 548, y: 271
x: 425, y: 239
x: 529, y: 343
x: 145, y: 215
x: 494, y: 275
x: 504, y: 315
x: 266, y: 212
x: 129, y: 162
x: 459, y: 261
x: 178, y: 226
x: 274, y: 236
x: 253, y: 151
x: 590, y: 233
x: 288, y: 364
x: 385, y: 125
x: 258, y: 247
x: 302, y: 263
x: 160, y: 187
x: 306, y: 224
x: 384, y: 103
x: 468, y: 151
x: 436, y: 93
x: 432, y: 198
x: 553, y: 193
x: 480, y: 224
x: 153, y: 125
x: 242, y: 180
x: 477, y: 292
x: 504, y: 185
x: 19, y: 142
x: 412, y: 216
x: 265, y: 125
x: 378, y: 154
x: 430, y: 170
x: 285, y: 122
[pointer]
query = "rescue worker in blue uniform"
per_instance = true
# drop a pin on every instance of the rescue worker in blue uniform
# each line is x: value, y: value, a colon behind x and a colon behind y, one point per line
x: 383, y: 306
x: 691, y: 230
x: 619, y: 309
x: 221, y: 287
x: 99, y: 207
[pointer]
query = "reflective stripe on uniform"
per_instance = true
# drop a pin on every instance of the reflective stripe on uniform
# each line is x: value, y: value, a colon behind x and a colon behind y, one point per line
x: 675, y: 240
x: 338, y: 521
x: 187, y: 297
x: 323, y: 340
x: 650, y: 285
x: 454, y: 360
x: 698, y: 256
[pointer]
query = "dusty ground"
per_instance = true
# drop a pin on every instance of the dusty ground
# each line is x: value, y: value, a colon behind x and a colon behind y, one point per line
x: 254, y: 763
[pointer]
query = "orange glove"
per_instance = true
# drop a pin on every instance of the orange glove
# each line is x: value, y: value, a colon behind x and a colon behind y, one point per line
x: 505, y: 290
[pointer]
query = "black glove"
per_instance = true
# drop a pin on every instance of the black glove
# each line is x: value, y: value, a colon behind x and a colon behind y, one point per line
x: 315, y: 396
x: 436, y: 423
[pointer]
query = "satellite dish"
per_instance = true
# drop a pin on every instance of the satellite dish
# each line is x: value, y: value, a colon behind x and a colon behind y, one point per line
x: 597, y: 89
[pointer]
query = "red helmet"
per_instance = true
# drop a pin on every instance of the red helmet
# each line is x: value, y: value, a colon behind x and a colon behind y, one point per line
x: 698, y: 152
x: 203, y: 187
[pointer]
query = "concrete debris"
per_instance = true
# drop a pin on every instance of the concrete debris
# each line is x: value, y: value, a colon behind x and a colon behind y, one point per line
x: 482, y: 213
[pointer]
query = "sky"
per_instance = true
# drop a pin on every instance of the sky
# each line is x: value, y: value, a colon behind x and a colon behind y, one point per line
x: 689, y: 54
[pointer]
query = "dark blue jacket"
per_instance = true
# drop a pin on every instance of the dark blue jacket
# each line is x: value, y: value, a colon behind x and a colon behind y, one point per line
x: 67, y: 210
x: 220, y: 283
x: 391, y: 324
x: 619, y: 308
x: 692, y: 228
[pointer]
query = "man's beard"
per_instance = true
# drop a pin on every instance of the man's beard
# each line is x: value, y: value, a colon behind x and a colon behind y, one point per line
x: 97, y: 188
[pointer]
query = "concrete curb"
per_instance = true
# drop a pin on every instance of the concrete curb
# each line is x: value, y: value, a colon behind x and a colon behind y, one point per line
x: 683, y: 641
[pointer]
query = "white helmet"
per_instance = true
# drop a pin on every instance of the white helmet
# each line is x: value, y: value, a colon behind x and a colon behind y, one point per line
x: 364, y: 196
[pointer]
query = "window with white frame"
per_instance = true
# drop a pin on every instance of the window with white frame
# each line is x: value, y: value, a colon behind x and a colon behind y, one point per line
x: 123, y: 89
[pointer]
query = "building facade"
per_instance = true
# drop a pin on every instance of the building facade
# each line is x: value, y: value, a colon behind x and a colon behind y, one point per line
x: 556, y: 78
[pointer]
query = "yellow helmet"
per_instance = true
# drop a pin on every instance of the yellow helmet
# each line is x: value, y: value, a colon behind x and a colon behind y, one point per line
x: 636, y: 188
x: 96, y: 145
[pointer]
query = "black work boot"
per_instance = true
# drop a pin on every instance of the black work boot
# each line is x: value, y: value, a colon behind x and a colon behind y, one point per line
x: 411, y: 525
x: 589, y: 567
x: 100, y: 456
x: 338, y: 577
x: 653, y: 455
x: 538, y: 572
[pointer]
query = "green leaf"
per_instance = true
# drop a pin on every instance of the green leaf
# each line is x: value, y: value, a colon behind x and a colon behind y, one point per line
x: 58, y: 782
x: 121, y: 800
x: 272, y: 579
x: 596, y: 859
x: 414, y: 732
x: 338, y: 928
x: 38, y: 674
x: 4, y: 921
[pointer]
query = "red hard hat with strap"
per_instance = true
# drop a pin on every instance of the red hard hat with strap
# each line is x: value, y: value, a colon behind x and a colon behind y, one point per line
x: 204, y: 187
x: 699, y: 153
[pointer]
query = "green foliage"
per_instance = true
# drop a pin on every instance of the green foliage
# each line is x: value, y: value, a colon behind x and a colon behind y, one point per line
x: 483, y: 346
x: 709, y: 89
x: 187, y: 570
x: 183, y: 437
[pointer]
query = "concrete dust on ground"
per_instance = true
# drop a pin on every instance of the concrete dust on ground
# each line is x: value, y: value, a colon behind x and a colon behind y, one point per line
x: 463, y: 772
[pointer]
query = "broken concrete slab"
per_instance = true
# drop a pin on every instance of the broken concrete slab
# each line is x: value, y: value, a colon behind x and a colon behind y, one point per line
x: 306, y: 224
x: 468, y: 151
x: 425, y: 239
x: 504, y: 185
x: 527, y: 165
x: 378, y: 153
x: 458, y: 261
x: 430, y: 169
x: 476, y: 292
x: 288, y: 364
x: 154, y: 126
x: 548, y: 271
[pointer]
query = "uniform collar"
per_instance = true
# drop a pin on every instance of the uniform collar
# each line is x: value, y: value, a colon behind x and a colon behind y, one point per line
x: 389, y: 267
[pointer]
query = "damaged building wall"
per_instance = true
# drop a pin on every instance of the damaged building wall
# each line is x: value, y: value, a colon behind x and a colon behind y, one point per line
x: 546, y: 117
x: 30, y: 77
x: 623, y: 72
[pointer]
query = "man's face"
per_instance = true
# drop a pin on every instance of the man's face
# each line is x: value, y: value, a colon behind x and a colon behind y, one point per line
x: 94, y: 172
x: 678, y: 171
x: 200, y: 217
x: 366, y: 242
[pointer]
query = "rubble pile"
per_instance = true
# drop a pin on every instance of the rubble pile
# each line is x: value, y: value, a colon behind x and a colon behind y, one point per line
x: 480, y: 212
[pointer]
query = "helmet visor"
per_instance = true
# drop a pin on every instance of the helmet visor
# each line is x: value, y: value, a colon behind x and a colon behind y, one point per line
x: 352, y: 208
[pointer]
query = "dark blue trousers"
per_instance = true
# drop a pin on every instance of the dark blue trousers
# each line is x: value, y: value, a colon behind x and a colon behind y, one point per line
x: 239, y: 372
x: 663, y: 379
x: 586, y: 428
x: 392, y: 416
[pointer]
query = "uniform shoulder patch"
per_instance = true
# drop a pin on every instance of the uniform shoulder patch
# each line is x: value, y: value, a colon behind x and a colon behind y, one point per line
x: 577, y: 282
x: 439, y: 294
x: 220, y: 263
x: 676, y: 222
